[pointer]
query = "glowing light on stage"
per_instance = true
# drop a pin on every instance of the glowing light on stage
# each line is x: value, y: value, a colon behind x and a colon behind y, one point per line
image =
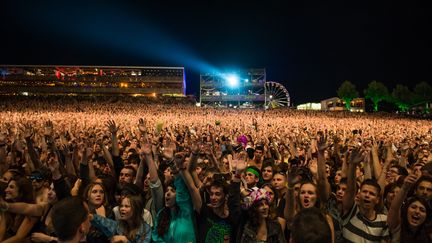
x: 233, y: 81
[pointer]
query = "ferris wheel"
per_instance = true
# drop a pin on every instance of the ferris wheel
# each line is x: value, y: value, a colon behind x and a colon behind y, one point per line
x: 276, y: 95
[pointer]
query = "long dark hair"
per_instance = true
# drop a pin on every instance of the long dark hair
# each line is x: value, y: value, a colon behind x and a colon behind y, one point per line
x: 165, y: 215
x: 137, y: 207
x: 252, y: 213
x: 420, y: 235
x: 25, y: 189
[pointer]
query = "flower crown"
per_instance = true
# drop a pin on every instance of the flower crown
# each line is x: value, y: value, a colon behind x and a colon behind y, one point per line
x: 255, y: 195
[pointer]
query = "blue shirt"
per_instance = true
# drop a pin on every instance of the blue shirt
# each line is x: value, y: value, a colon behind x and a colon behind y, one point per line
x: 111, y: 227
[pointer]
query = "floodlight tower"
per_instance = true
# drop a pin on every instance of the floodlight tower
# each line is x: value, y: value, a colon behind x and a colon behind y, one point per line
x: 244, y: 88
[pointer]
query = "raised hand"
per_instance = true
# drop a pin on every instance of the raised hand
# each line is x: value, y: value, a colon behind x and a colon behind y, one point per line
x: 112, y: 127
x: 239, y: 162
x: 322, y: 143
x: 27, y: 130
x: 356, y: 156
x: 53, y: 163
x: 48, y: 128
x: 410, y: 180
x: 169, y: 149
x: 146, y: 148
x: 179, y: 160
x: 195, y: 147
x: 141, y: 125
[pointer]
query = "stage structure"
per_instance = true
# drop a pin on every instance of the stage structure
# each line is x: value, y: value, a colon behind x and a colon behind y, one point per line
x: 243, y: 89
x: 92, y: 80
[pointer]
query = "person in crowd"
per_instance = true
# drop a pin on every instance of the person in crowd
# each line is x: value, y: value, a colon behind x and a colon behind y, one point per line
x: 310, y: 226
x: 408, y: 221
x: 174, y: 221
x: 43, y: 230
x: 131, y: 226
x: 41, y: 183
x: 16, y: 227
x: 260, y: 225
x: 71, y: 220
x: 94, y: 196
x: 361, y: 220
x: 315, y: 147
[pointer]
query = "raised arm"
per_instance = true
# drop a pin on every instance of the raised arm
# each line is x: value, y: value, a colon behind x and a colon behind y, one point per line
x: 155, y: 183
x: 28, y: 133
x: 348, y: 200
x: 193, y: 164
x: 113, y: 128
x: 179, y: 159
x: 322, y: 182
x: 377, y: 169
x: 290, y: 202
x: 394, y: 214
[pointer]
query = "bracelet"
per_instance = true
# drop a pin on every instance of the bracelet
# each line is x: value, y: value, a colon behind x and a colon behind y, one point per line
x: 6, y: 208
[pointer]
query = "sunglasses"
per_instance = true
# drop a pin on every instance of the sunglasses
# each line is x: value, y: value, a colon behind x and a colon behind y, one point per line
x: 36, y: 178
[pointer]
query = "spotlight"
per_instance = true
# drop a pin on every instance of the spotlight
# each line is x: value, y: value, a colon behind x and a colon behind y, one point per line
x: 233, y: 81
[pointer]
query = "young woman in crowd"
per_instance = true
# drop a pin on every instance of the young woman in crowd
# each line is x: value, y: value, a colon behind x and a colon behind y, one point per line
x: 408, y: 221
x: 261, y: 224
x: 95, y: 197
x: 16, y: 227
x: 131, y: 226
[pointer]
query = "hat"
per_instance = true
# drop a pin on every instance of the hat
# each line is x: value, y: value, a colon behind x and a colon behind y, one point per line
x: 255, y: 195
x: 243, y: 140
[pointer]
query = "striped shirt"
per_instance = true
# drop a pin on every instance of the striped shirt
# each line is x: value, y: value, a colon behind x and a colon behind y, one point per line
x: 357, y: 228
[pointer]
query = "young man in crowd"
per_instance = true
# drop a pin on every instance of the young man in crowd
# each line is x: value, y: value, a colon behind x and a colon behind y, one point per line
x: 361, y: 221
x: 71, y: 220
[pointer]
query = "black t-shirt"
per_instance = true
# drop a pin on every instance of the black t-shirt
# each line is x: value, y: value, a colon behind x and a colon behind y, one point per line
x: 212, y: 228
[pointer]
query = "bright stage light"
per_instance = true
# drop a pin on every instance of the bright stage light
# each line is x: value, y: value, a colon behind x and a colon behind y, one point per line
x: 233, y: 81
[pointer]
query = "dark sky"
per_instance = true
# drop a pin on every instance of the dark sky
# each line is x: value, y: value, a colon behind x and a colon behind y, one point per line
x: 309, y: 49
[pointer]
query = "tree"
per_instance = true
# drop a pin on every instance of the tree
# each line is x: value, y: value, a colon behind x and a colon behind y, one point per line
x: 377, y: 92
x: 402, y: 97
x: 423, y: 92
x: 347, y: 92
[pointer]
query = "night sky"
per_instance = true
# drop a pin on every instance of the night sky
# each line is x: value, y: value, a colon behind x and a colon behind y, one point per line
x: 309, y: 49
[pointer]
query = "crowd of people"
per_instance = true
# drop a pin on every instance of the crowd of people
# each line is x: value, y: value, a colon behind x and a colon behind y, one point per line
x: 136, y: 170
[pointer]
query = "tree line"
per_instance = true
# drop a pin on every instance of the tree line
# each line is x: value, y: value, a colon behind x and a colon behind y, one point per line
x: 401, y: 95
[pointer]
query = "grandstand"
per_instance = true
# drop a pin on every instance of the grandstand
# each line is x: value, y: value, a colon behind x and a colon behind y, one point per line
x: 92, y: 80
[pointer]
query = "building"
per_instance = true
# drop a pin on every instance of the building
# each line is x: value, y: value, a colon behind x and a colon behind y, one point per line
x: 337, y: 104
x: 92, y: 80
